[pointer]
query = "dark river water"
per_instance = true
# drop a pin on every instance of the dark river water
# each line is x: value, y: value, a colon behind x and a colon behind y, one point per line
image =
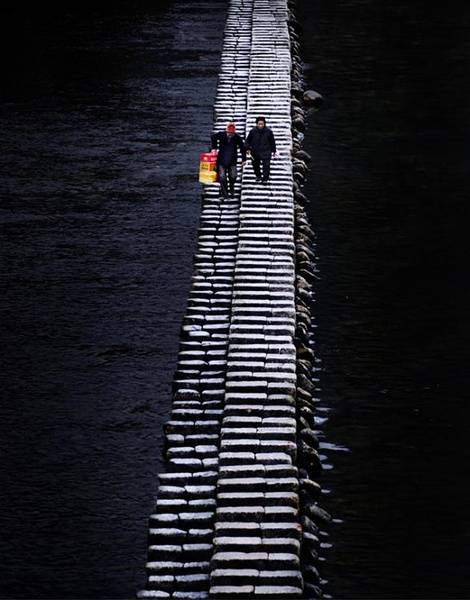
x: 102, y: 116
x: 390, y: 193
x: 102, y: 119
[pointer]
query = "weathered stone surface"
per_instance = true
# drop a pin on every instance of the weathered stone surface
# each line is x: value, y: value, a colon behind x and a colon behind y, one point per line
x: 278, y: 591
x: 226, y: 522
x: 154, y: 594
x: 231, y: 591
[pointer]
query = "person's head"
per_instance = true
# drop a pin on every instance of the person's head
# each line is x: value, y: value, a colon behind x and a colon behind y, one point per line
x: 260, y: 122
x: 231, y: 129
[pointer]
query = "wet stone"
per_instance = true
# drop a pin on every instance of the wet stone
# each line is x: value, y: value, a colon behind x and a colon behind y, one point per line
x: 228, y: 591
x: 189, y: 595
x: 278, y: 591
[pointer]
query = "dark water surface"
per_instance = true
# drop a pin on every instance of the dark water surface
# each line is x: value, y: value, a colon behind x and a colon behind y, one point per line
x: 391, y: 211
x: 102, y: 117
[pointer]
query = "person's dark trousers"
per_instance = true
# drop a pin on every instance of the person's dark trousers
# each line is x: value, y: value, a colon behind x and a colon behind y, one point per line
x: 266, y: 162
x: 227, y: 178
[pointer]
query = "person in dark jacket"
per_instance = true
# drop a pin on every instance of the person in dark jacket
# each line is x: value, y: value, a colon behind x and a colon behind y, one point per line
x: 227, y: 143
x: 261, y: 144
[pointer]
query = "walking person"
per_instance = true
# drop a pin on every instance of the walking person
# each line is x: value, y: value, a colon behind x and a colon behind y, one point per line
x: 261, y: 144
x: 227, y: 143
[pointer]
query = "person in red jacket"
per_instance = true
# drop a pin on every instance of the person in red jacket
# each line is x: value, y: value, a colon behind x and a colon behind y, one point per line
x: 227, y: 142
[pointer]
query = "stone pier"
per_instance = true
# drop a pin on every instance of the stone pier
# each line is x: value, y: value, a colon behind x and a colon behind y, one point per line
x: 227, y: 521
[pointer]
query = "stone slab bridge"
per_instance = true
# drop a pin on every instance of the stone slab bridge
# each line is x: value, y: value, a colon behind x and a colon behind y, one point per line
x: 236, y: 514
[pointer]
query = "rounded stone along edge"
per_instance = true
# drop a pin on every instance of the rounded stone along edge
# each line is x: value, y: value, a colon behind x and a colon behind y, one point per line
x: 308, y: 460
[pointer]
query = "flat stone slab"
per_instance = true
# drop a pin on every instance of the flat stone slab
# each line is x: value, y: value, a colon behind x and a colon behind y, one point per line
x: 228, y: 591
x: 278, y: 591
x: 155, y: 594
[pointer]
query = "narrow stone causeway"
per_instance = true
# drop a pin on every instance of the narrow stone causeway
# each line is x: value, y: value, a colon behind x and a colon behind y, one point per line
x: 228, y: 520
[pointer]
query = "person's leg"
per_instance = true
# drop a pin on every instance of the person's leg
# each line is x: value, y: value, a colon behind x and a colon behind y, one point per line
x: 266, y: 168
x: 232, y: 177
x: 223, y: 181
x: 256, y: 166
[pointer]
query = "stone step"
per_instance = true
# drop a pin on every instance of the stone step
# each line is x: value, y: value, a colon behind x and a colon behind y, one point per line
x: 264, y: 396
x: 249, y: 377
x: 258, y: 499
x: 247, y: 458
x: 263, y: 592
x: 255, y: 444
x: 176, y: 439
x: 256, y: 577
x: 253, y: 421
x: 282, y: 433
x: 202, y: 413
x: 171, y: 567
x: 178, y: 505
x: 256, y: 544
x: 258, y: 470
x: 180, y: 552
x: 289, y: 529
x: 185, y: 478
x: 258, y: 484
x: 189, y: 426
x: 257, y: 513
x: 199, y: 404
x: 235, y: 409
x: 190, y: 582
x: 183, y: 520
x: 190, y: 595
x: 153, y: 594
x: 174, y: 535
x: 192, y: 464
x: 255, y: 560
x: 200, y: 451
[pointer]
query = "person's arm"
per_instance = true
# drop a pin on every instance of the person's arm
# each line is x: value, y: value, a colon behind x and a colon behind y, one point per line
x: 273, y: 142
x: 248, y: 141
x: 241, y: 145
x: 214, y: 141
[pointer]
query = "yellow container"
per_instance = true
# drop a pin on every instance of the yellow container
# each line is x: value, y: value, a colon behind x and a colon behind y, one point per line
x: 208, y: 167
